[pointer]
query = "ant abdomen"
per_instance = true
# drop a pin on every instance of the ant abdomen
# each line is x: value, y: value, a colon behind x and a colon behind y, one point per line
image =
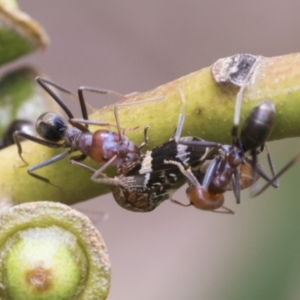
x: 203, y: 199
x: 106, y: 144
x: 247, y: 178
x: 258, y: 125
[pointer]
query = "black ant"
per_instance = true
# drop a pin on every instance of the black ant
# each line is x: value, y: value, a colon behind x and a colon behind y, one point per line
x: 232, y: 164
x: 102, y: 146
x: 142, y: 185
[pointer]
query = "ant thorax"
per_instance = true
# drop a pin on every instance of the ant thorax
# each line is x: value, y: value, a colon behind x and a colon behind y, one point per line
x: 76, y: 139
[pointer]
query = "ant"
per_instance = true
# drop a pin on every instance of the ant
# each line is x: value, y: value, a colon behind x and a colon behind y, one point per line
x: 102, y: 146
x: 144, y: 184
x: 232, y: 165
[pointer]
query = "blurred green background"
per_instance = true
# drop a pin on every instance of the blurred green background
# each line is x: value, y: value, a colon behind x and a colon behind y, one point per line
x: 174, y: 252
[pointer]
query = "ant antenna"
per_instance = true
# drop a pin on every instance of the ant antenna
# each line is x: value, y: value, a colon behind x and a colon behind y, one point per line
x: 181, y: 116
x: 239, y: 97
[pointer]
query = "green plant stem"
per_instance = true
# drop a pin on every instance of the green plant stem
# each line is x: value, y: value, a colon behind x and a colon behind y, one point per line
x: 209, y: 115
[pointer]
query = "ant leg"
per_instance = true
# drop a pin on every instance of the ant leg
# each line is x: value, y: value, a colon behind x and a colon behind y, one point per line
x: 282, y: 171
x: 22, y: 134
x: 46, y: 163
x: 77, y: 122
x: 200, y: 144
x: 59, y: 87
x: 116, y: 107
x: 43, y: 83
x: 260, y: 172
x: 102, y: 91
x: 210, y: 172
x: 225, y: 210
x: 256, y: 170
x: 272, y: 168
x: 82, y: 102
x: 83, y: 166
x: 180, y: 122
x: 98, y: 91
x: 178, y: 129
x: 93, y: 90
x: 179, y: 203
x: 254, y: 167
x: 99, y: 172
x: 78, y: 158
x: 106, y: 92
x: 236, y: 186
x: 101, y: 177
x: 187, y: 173
x: 145, y: 142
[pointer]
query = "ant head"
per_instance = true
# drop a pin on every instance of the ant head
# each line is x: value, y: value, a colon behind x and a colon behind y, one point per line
x: 202, y: 199
x: 51, y: 127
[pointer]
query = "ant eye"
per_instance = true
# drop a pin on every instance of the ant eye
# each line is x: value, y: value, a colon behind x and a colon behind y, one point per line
x: 104, y: 158
x: 51, y: 127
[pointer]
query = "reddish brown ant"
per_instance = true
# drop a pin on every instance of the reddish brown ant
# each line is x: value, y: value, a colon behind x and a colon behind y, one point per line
x: 199, y: 196
x: 143, y: 185
x: 102, y: 146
